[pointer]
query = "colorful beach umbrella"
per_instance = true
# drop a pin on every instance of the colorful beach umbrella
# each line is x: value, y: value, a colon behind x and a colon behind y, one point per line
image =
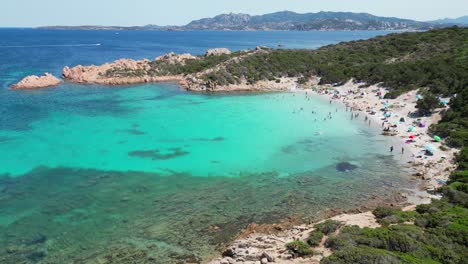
x: 437, y: 138
x: 411, y: 128
x: 412, y: 137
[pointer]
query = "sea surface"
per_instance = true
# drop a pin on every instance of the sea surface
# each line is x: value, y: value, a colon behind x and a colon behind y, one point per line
x: 151, y: 172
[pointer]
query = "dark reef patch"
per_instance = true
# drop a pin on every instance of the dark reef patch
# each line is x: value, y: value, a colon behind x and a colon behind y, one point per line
x: 345, y: 167
x: 18, y: 117
x: 5, y: 139
x: 132, y: 131
x: 291, y: 149
x: 158, y: 154
x: 215, y: 139
x: 37, y: 239
x: 82, y: 215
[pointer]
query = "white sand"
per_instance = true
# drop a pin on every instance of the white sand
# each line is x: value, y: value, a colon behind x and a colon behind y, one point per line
x: 429, y: 168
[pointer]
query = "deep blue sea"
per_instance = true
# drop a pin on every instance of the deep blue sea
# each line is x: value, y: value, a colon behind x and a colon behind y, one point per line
x: 30, y: 51
x: 156, y: 174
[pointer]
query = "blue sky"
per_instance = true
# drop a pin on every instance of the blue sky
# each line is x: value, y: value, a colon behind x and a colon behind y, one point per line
x: 24, y: 13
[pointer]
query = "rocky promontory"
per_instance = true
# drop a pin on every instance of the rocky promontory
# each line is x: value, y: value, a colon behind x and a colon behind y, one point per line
x: 119, y: 72
x: 33, y: 82
x: 208, y: 72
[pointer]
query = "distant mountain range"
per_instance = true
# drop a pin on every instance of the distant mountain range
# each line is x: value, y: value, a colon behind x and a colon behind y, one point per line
x: 287, y: 20
x: 453, y: 21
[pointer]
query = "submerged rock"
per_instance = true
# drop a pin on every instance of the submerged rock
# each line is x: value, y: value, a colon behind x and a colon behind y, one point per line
x: 345, y: 166
x: 33, y: 82
x: 37, y: 239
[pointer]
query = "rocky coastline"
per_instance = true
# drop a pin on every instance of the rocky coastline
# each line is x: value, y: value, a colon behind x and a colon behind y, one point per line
x: 129, y: 71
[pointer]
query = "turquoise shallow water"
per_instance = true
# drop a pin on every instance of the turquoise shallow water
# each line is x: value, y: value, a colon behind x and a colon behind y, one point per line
x: 154, y: 173
x: 159, y: 128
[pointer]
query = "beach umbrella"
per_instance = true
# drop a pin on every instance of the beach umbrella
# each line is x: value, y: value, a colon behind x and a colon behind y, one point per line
x: 411, y: 128
x: 444, y: 102
x: 430, y: 148
x: 437, y: 138
x: 412, y: 137
x: 419, y: 96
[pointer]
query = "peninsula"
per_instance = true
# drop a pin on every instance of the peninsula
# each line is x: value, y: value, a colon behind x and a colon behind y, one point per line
x: 400, y: 62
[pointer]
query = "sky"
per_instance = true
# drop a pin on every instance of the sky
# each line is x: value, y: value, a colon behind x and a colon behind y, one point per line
x: 30, y: 13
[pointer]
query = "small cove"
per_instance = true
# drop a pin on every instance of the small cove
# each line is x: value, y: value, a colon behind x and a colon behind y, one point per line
x: 160, y: 171
x: 151, y: 172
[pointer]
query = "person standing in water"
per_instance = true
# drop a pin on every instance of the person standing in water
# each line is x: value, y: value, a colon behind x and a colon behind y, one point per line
x: 402, y: 150
x: 391, y: 149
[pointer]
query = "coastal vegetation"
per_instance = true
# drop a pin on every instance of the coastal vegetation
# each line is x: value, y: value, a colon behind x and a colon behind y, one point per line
x: 322, y: 229
x: 436, y: 59
x: 434, y: 233
x: 299, y: 248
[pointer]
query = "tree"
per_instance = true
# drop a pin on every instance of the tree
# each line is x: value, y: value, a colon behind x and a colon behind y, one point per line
x: 428, y: 103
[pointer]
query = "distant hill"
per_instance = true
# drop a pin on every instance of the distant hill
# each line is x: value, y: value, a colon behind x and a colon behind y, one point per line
x: 452, y: 21
x: 285, y: 20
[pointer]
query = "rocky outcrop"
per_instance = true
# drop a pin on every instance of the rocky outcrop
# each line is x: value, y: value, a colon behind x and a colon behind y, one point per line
x: 173, y: 57
x: 217, y: 52
x: 99, y: 74
x: 33, y: 82
x: 119, y: 72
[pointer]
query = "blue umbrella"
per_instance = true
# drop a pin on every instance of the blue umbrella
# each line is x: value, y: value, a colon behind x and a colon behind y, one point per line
x: 430, y: 148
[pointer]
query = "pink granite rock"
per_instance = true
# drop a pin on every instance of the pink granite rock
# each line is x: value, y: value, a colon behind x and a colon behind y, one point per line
x: 34, y: 82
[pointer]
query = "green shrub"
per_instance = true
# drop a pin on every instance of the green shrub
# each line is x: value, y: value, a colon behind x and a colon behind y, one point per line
x: 299, y: 248
x: 315, y: 237
x: 428, y: 103
x: 381, y: 212
x: 386, y: 216
x: 362, y: 255
x: 328, y: 226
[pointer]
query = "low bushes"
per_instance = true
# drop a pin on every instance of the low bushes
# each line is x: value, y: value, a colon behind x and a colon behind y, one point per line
x: 299, y: 248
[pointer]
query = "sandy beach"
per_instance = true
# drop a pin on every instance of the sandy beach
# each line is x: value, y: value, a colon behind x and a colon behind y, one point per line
x: 266, y: 243
x: 406, y: 136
